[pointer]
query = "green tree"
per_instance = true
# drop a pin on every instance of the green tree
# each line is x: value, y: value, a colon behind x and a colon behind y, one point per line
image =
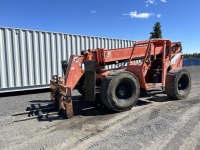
x: 191, y: 56
x: 157, y: 32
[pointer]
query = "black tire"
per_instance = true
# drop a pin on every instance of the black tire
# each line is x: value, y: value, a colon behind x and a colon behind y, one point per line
x: 178, y: 84
x: 120, y: 91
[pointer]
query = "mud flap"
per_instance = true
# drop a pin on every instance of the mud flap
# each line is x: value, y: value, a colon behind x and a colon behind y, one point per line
x: 90, y: 80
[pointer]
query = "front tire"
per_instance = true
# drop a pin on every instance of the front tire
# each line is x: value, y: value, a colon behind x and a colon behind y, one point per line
x: 120, y: 91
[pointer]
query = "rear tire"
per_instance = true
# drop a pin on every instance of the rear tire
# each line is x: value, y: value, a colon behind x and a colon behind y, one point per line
x: 120, y: 91
x: 178, y: 84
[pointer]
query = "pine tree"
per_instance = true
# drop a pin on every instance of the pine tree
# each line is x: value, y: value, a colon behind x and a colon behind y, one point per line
x: 157, y: 32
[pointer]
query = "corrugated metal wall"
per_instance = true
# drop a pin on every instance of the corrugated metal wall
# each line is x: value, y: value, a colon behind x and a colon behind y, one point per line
x: 28, y: 58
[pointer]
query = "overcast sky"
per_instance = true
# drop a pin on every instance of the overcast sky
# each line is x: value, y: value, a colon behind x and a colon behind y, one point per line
x: 124, y: 19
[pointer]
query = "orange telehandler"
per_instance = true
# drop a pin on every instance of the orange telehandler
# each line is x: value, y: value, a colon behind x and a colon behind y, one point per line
x: 150, y: 64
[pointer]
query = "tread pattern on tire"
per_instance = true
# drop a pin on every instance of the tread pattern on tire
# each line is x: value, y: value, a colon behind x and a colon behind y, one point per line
x: 107, y: 95
x: 171, y: 87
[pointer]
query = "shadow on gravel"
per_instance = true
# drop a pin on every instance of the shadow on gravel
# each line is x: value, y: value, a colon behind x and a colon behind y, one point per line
x: 38, y: 109
x: 84, y: 108
x: 156, y: 98
x: 142, y: 103
x: 40, y: 101
x: 43, y: 110
x: 96, y: 108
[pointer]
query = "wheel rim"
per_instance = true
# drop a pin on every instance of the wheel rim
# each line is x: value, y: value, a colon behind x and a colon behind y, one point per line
x: 183, y: 83
x: 123, y: 91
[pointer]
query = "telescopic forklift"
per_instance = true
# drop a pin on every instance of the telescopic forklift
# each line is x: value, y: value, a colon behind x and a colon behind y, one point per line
x: 150, y: 64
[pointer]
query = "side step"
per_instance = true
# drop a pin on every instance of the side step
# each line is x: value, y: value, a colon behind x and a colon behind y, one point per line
x: 156, y: 92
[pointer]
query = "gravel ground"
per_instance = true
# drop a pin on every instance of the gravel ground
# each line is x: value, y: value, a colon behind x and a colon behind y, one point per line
x: 155, y: 123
